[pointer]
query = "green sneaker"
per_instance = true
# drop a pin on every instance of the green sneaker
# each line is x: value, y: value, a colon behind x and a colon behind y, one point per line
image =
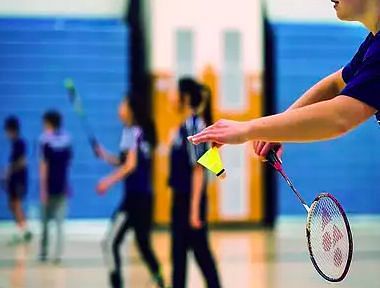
x: 28, y: 236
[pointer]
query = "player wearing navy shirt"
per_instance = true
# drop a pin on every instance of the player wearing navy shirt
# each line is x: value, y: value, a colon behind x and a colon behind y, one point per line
x: 188, y: 181
x: 136, y: 208
x: 16, y: 178
x: 331, y: 108
x: 55, y: 157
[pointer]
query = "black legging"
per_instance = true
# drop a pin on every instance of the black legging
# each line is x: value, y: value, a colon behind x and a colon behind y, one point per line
x: 136, y: 214
x: 184, y: 238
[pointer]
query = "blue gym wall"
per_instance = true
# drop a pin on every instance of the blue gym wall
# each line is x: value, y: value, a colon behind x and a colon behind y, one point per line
x: 348, y: 167
x: 36, y: 55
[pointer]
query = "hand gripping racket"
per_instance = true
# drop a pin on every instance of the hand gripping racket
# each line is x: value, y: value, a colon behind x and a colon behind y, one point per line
x: 76, y: 101
x: 328, y: 233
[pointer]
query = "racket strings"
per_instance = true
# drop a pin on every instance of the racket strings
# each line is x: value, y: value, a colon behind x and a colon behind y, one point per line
x: 329, y: 240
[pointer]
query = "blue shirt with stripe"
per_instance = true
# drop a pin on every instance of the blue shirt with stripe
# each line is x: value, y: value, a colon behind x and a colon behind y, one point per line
x: 139, y: 181
x: 56, y: 151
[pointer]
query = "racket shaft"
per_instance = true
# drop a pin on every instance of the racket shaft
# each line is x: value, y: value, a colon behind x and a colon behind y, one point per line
x: 90, y: 135
x: 77, y: 105
x: 290, y: 184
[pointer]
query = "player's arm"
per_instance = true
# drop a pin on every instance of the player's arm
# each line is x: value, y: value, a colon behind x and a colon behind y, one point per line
x: 120, y: 173
x: 196, y: 196
x: 107, y: 157
x: 43, y: 171
x: 319, y: 121
x: 19, y: 164
x: 15, y: 166
x: 19, y: 159
x: 326, y: 89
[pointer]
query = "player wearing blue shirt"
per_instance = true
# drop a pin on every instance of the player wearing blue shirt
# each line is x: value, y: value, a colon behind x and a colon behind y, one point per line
x: 56, y: 154
x: 188, y: 181
x: 331, y: 108
x: 136, y: 208
x: 16, y: 178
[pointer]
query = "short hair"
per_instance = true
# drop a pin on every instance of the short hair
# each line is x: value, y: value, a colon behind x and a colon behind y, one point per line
x: 53, y: 118
x: 12, y: 124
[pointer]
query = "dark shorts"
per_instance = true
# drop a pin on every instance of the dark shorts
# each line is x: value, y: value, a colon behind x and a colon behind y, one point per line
x: 16, y: 190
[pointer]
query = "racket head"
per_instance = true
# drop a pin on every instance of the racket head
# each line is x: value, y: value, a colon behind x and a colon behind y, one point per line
x: 74, y: 97
x: 329, y: 238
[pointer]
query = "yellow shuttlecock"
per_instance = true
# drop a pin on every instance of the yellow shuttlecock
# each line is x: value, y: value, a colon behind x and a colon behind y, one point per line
x: 212, y: 161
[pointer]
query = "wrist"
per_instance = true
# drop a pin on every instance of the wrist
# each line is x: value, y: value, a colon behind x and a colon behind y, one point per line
x: 108, y: 181
x: 249, y: 130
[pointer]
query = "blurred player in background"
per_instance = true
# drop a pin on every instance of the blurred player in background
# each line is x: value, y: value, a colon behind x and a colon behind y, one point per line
x: 16, y: 178
x: 188, y: 181
x: 134, y: 167
x: 331, y: 108
x: 56, y: 154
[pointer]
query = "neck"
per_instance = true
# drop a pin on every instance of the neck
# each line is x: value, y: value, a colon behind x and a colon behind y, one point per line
x: 371, y: 18
x: 187, y: 111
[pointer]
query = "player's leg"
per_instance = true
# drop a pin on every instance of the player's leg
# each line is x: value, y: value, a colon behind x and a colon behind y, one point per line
x: 204, y: 258
x: 14, y: 202
x: 179, y: 235
x: 111, y: 247
x: 46, y: 212
x: 59, y: 215
x: 17, y: 237
x: 19, y: 213
x: 200, y: 245
x: 142, y: 222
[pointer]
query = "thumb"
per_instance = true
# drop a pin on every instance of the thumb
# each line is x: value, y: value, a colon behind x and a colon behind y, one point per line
x: 217, y: 145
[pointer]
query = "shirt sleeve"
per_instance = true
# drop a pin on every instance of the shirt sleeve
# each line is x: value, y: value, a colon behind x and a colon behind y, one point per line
x: 351, y: 67
x: 195, y: 125
x: 129, y: 139
x: 365, y: 84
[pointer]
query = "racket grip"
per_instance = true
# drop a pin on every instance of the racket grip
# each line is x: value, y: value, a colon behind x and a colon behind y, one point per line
x: 94, y: 145
x: 273, y: 159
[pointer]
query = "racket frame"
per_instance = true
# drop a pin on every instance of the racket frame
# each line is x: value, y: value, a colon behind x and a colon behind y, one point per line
x: 349, y: 234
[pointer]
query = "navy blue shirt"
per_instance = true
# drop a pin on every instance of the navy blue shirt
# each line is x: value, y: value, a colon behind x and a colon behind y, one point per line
x: 139, y: 181
x: 18, y: 152
x: 184, y: 155
x: 56, y: 151
x: 362, y: 74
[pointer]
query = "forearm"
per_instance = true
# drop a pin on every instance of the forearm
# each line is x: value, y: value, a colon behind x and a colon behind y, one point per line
x: 119, y: 174
x: 111, y: 159
x: 18, y: 165
x: 319, y: 121
x: 325, y: 89
x: 196, y: 195
x: 43, y: 180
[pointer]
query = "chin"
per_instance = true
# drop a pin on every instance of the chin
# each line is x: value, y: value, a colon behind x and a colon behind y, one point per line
x: 344, y: 16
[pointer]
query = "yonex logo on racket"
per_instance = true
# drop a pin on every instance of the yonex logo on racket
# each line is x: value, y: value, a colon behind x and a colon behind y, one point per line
x: 330, y: 242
